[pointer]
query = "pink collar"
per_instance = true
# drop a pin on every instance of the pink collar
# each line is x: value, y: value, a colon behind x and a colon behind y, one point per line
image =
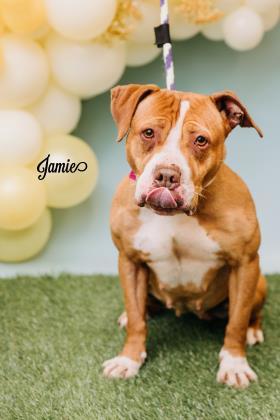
x: 132, y: 175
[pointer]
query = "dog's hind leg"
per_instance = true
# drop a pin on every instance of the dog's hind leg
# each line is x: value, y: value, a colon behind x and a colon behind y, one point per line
x: 154, y: 307
x: 255, y: 332
x: 122, y: 320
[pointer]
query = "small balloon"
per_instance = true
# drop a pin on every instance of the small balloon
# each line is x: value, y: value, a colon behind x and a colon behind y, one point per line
x: 24, y: 76
x: 21, y: 245
x: 214, y: 31
x: 23, y: 16
x: 2, y: 26
x: 85, y: 69
x: 180, y: 28
x: 41, y: 34
x: 68, y: 169
x: 20, y: 137
x: 270, y: 18
x: 143, y: 28
x: 243, y: 29
x: 140, y: 54
x: 58, y: 111
x: 22, y: 197
x: 80, y: 20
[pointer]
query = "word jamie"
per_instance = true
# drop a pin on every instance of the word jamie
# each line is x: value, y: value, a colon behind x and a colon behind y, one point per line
x: 45, y: 166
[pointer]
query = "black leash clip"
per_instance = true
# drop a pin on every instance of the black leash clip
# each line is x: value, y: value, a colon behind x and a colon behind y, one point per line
x: 162, y: 35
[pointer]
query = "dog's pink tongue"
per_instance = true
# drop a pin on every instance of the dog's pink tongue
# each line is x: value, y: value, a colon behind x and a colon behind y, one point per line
x: 161, y: 197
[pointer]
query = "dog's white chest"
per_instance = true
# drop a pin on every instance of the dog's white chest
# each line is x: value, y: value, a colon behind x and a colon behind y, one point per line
x: 179, y: 249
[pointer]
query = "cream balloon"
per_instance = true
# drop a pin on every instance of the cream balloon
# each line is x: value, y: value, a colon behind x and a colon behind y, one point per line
x: 20, y: 137
x: 261, y: 6
x: 21, y: 245
x: 80, y: 20
x: 180, y: 28
x: 66, y: 189
x: 143, y: 28
x: 22, y: 197
x: 228, y: 6
x: 23, y: 16
x: 85, y: 69
x: 57, y: 110
x: 214, y: 31
x: 140, y: 54
x: 243, y: 29
x: 25, y: 74
x: 270, y: 18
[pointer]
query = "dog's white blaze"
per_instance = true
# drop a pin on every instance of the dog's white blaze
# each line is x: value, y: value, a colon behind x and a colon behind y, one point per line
x: 157, y: 235
x: 169, y: 154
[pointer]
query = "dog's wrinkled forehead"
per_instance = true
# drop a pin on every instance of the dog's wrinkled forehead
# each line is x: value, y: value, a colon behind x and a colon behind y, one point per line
x: 162, y: 104
x: 165, y: 106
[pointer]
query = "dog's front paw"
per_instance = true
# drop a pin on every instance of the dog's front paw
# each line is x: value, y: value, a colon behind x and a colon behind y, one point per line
x: 121, y: 367
x: 254, y: 336
x: 234, y: 371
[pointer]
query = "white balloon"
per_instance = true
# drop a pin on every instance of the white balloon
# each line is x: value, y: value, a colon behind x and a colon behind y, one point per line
x: 85, y: 69
x: 143, y: 29
x: 140, y: 54
x: 58, y: 111
x: 214, y: 31
x: 20, y: 137
x: 80, y: 19
x: 270, y: 18
x: 260, y: 6
x: 180, y: 28
x: 243, y: 29
x: 25, y: 73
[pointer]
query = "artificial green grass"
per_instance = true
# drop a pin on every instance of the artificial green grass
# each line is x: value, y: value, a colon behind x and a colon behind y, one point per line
x: 56, y: 332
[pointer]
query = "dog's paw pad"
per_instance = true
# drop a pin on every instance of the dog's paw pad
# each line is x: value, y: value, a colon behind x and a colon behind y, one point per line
x: 122, y: 321
x: 121, y: 367
x: 254, y: 336
x: 234, y: 371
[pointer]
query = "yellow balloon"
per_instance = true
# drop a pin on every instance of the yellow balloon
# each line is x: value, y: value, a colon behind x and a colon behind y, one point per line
x: 20, y: 245
x: 2, y: 30
x: 23, y: 16
x: 68, y: 169
x: 22, y: 198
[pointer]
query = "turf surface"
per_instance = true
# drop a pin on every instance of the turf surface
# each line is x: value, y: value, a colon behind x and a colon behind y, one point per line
x: 56, y: 332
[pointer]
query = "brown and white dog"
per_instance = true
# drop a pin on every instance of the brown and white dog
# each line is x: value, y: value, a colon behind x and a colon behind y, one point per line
x: 185, y: 228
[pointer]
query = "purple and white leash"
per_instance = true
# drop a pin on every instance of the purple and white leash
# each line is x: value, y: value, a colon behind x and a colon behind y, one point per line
x: 165, y: 43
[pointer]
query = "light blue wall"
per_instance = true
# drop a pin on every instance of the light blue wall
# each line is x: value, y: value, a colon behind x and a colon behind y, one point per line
x: 81, y: 241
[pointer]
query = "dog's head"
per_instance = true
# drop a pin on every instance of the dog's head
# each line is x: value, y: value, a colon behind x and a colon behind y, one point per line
x: 175, y: 141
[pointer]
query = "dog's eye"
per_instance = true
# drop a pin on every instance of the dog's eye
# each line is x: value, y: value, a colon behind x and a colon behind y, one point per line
x: 201, y: 141
x: 148, y: 133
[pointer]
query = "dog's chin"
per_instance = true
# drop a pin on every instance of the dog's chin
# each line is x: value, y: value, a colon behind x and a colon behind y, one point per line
x: 164, y: 202
x: 170, y: 212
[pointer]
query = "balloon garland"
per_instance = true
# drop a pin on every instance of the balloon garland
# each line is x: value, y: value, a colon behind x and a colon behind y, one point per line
x: 55, y: 53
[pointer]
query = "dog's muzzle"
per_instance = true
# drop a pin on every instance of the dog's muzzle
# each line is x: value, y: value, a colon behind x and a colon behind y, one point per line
x: 164, y: 195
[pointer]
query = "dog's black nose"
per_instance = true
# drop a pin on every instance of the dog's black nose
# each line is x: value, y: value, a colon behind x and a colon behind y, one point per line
x: 167, y: 176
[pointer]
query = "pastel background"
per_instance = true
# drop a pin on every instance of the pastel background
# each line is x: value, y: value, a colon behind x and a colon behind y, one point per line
x: 81, y: 242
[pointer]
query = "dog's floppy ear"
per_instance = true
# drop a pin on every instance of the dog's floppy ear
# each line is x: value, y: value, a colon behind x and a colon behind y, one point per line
x: 124, y: 101
x: 233, y: 111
